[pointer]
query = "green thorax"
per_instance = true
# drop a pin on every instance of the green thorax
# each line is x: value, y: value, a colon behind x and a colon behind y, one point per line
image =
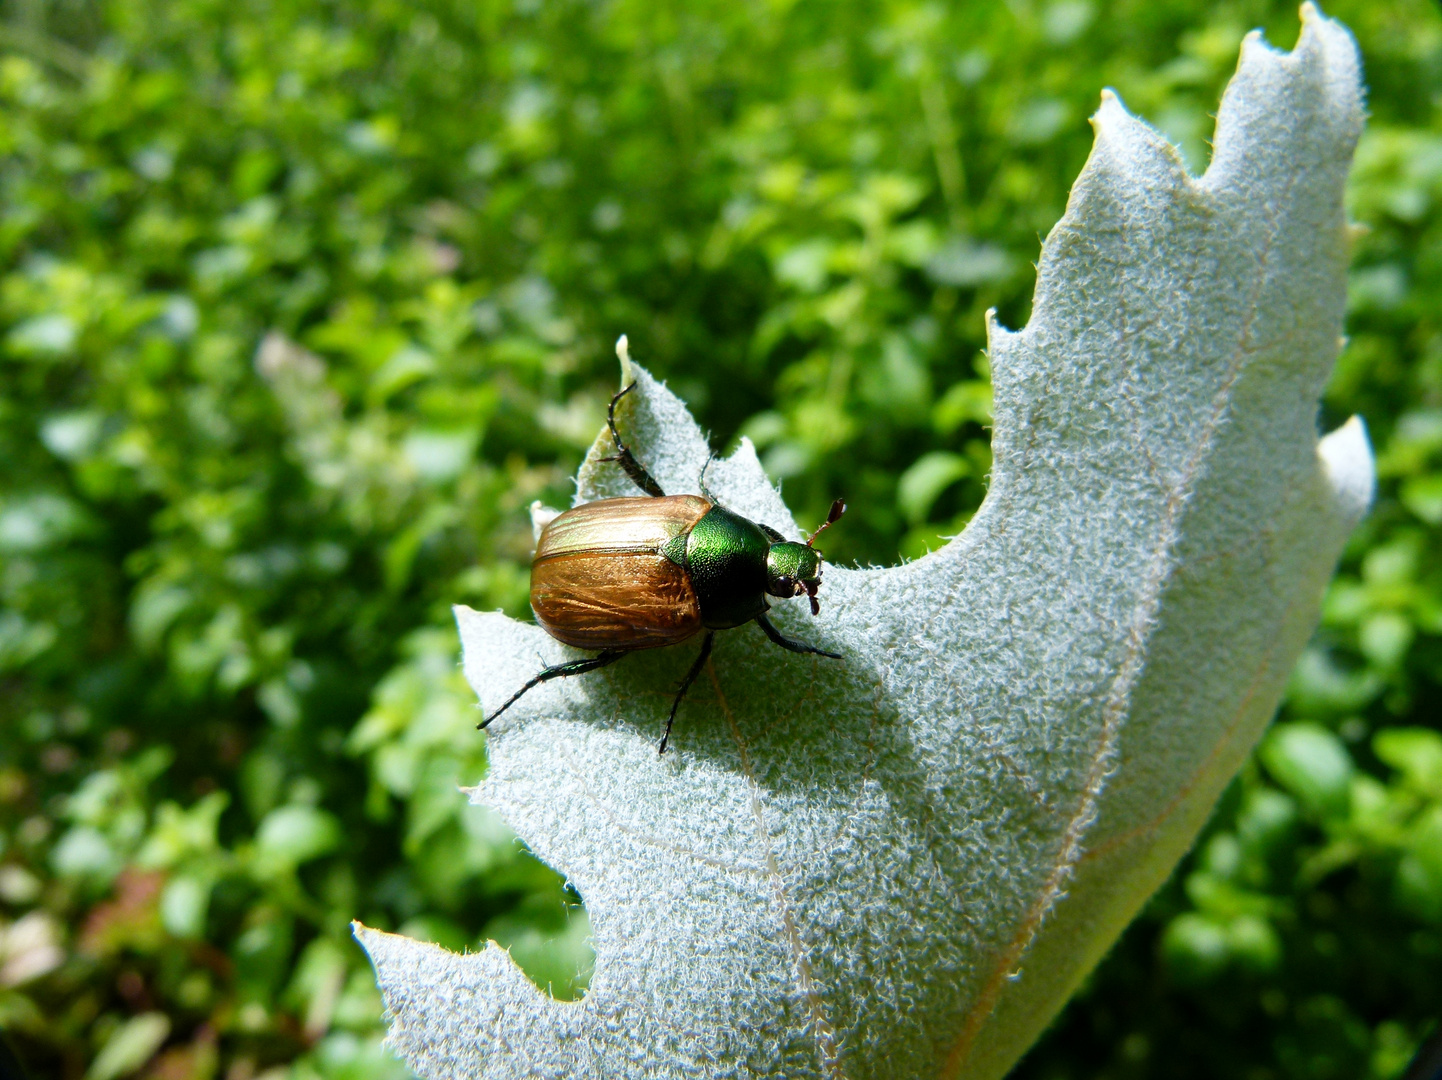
x: 726, y: 561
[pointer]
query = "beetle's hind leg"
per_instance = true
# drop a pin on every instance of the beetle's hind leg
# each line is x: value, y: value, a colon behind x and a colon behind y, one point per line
x: 627, y: 460
x: 558, y: 671
x: 786, y: 643
x: 686, y: 685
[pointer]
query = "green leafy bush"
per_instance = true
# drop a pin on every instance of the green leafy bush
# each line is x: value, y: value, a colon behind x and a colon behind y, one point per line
x: 302, y: 305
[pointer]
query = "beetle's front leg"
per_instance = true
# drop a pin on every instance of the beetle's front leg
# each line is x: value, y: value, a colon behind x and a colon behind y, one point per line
x: 786, y: 643
x: 706, y: 491
x: 634, y: 469
x: 558, y: 671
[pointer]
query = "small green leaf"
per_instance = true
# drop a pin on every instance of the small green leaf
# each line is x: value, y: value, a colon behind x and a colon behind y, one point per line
x: 291, y: 835
x: 183, y: 906
x: 84, y: 852
x: 1253, y: 943
x: 72, y: 435
x: 969, y: 400
x: 921, y: 485
x: 1419, y: 873
x: 39, y: 521
x: 1417, y: 754
x: 1195, y: 948
x: 133, y: 1044
x: 43, y: 337
x: 1312, y: 764
x: 967, y: 264
x: 1423, y: 496
x: 1385, y: 638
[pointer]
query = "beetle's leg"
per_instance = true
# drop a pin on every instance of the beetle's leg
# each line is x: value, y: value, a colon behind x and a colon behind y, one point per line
x: 686, y: 685
x: 634, y: 469
x: 771, y: 534
x: 558, y: 671
x: 786, y: 643
x: 704, y: 489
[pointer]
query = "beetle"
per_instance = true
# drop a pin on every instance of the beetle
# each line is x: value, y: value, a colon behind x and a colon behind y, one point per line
x: 621, y: 575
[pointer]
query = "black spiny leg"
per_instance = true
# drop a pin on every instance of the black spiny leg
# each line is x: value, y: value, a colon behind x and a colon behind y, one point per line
x: 634, y: 469
x: 704, y: 469
x: 558, y: 671
x: 786, y: 643
x: 686, y: 685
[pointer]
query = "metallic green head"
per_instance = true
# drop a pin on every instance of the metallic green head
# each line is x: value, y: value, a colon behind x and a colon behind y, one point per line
x: 793, y: 569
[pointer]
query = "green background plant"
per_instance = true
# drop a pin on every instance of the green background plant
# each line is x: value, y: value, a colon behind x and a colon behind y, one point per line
x: 303, y: 304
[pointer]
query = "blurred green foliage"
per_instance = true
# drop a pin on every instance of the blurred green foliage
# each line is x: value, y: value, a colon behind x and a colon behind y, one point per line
x: 301, y: 305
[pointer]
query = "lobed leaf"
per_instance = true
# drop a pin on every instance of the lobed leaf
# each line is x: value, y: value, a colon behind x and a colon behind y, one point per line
x: 902, y: 864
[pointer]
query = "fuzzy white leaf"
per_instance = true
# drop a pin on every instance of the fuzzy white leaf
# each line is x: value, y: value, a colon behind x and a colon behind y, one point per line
x: 901, y: 864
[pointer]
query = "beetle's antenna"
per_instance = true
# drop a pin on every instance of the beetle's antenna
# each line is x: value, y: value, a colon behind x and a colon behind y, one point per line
x: 811, y: 593
x: 837, y: 509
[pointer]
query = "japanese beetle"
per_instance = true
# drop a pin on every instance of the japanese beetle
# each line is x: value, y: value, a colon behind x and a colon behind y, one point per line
x: 619, y: 575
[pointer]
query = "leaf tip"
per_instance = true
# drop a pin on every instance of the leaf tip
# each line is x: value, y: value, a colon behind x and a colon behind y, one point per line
x: 1337, y: 46
x: 367, y: 938
x: 1346, y: 456
x: 623, y: 354
x: 1111, y: 111
x: 1314, y: 23
x: 1110, y: 116
x: 1125, y: 150
x: 541, y: 516
x: 1326, y: 50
